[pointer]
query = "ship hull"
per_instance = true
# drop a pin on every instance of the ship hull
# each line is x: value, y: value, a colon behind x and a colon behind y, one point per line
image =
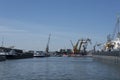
x: 107, y: 53
x: 78, y: 54
x: 20, y: 56
x: 108, y: 56
x: 2, y: 58
x: 39, y: 56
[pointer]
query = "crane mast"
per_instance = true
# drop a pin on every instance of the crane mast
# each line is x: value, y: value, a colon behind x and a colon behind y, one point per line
x: 47, y: 47
x: 116, y: 32
x: 75, y: 49
x: 80, y: 44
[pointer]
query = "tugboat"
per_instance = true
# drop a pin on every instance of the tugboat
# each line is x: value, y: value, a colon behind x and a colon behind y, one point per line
x: 39, y: 54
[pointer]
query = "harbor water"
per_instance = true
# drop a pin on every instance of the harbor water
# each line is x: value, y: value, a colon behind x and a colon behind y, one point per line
x: 58, y: 68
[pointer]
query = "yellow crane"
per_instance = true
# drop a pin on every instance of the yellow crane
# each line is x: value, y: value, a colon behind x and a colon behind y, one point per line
x: 79, y: 44
x: 75, y: 47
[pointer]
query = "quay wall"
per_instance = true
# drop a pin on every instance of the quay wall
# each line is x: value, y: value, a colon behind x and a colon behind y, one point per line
x: 109, y: 57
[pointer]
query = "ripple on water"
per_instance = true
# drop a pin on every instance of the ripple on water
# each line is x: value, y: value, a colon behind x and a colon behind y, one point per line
x: 58, y: 68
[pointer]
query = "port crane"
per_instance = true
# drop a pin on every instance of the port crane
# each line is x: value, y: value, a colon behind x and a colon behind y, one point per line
x: 111, y: 42
x: 96, y: 45
x: 85, y: 44
x: 116, y: 32
x: 47, y: 47
x: 79, y: 44
x: 75, y: 47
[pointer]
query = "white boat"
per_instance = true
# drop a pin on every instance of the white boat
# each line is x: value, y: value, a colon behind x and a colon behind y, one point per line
x: 39, y: 54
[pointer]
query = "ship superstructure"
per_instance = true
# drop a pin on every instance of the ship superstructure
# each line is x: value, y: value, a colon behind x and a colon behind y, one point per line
x: 113, y: 42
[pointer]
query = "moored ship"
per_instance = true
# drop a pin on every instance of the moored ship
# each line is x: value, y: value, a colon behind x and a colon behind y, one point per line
x: 18, y: 54
x: 15, y: 53
x: 39, y: 54
x: 111, y: 49
x: 2, y: 55
x: 2, y: 58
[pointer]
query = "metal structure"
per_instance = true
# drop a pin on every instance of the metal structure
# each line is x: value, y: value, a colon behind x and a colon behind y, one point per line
x: 79, y: 44
x: 96, y: 45
x: 113, y: 42
x: 2, y: 42
x: 47, y: 47
x: 116, y: 32
x: 85, y: 44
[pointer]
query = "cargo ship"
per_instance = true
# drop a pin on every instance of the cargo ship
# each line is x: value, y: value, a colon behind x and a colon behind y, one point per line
x: 110, y: 50
x: 15, y: 53
x: 18, y: 54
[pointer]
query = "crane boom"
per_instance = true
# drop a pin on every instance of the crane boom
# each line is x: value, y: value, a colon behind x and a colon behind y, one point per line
x: 47, y: 47
x: 117, y: 28
x: 80, y: 45
x: 72, y: 43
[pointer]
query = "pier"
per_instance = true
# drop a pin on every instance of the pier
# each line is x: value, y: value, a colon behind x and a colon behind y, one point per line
x: 109, y: 57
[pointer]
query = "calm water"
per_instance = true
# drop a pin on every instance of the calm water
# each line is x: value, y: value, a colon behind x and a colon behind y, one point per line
x: 58, y: 68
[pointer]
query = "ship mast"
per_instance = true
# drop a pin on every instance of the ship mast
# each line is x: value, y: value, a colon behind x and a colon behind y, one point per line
x: 2, y: 45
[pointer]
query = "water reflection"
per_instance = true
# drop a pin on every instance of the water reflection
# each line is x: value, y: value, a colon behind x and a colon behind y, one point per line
x: 58, y: 68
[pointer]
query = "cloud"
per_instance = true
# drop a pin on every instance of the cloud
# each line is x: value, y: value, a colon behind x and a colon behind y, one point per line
x: 10, y: 31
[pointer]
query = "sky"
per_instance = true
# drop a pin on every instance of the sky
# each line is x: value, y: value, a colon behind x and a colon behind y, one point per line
x: 26, y: 24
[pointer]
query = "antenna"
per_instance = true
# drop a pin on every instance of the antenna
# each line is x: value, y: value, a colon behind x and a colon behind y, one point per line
x: 2, y: 45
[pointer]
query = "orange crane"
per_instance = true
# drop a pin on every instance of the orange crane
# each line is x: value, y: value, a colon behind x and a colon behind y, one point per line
x: 77, y: 47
